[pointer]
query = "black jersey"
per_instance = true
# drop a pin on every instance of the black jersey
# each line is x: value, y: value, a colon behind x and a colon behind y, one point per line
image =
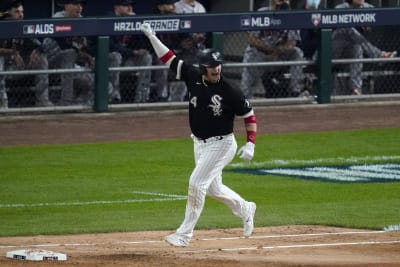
x: 212, y: 106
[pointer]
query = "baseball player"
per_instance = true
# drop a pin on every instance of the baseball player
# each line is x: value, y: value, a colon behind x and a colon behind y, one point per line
x: 213, y: 105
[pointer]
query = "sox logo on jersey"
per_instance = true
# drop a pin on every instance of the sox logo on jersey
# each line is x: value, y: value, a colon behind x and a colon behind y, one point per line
x: 216, y: 105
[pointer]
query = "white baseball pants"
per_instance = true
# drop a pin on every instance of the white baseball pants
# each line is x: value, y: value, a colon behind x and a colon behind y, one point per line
x: 211, y: 156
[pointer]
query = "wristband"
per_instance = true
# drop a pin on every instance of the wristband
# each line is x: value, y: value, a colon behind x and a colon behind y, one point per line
x: 251, y: 136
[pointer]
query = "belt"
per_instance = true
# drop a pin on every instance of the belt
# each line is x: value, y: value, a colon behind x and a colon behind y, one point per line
x: 214, y: 138
x: 209, y: 139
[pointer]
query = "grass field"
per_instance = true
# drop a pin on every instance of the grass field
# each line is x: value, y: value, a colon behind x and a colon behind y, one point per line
x: 132, y: 186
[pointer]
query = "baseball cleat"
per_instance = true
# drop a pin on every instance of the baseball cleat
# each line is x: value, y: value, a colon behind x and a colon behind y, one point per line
x: 177, y: 240
x: 248, y: 221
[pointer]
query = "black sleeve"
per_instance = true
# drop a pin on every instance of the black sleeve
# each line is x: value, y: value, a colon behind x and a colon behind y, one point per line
x: 182, y: 70
x: 240, y: 103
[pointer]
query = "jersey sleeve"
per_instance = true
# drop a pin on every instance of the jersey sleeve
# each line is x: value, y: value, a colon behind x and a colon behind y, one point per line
x: 182, y: 70
x: 242, y: 106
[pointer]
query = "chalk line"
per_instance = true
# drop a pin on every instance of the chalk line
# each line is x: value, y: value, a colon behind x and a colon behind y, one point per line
x: 162, y: 197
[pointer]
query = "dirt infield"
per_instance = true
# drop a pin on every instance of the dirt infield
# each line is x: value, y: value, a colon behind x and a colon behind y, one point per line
x: 273, y: 246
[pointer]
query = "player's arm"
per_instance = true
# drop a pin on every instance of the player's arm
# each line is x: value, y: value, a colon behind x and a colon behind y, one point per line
x: 250, y: 123
x: 246, y: 152
x: 165, y: 54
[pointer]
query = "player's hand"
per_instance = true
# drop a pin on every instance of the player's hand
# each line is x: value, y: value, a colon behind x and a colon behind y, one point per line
x: 246, y: 152
x: 147, y: 30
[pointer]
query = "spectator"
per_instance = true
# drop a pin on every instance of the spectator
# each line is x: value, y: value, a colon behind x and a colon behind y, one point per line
x: 192, y: 44
x: 22, y: 54
x: 70, y: 53
x: 75, y: 52
x: 134, y: 51
x: 272, y: 45
x: 310, y: 38
x: 189, y: 6
x: 167, y: 87
x: 350, y: 43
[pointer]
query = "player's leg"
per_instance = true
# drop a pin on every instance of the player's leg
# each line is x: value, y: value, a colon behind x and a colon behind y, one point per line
x: 211, y: 158
x: 239, y: 206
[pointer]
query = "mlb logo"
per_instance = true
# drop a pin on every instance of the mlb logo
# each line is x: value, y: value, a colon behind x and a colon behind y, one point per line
x: 316, y: 19
x: 186, y: 24
x: 29, y: 29
x: 246, y: 22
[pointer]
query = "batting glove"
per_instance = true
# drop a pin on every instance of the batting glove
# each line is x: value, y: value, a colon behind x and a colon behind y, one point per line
x: 246, y: 152
x: 147, y: 30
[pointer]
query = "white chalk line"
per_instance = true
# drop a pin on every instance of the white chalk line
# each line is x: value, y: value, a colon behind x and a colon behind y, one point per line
x: 200, y: 239
x: 291, y: 246
x: 284, y: 162
x: 295, y: 235
x: 162, y: 198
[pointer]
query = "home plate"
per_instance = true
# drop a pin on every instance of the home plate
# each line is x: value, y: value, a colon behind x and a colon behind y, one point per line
x: 36, y: 255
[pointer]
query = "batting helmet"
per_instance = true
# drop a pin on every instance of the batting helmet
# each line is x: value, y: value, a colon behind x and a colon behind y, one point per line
x: 209, y: 58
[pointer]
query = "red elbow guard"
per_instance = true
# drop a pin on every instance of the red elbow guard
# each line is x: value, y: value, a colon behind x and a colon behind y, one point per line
x: 250, y: 119
x: 164, y: 59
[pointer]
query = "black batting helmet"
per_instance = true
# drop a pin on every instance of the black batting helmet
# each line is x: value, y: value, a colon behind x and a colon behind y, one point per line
x: 209, y: 58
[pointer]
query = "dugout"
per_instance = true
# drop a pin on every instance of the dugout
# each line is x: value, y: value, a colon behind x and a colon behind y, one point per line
x: 231, y: 41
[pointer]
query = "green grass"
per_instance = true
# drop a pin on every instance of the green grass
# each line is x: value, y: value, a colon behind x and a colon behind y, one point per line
x: 98, y: 178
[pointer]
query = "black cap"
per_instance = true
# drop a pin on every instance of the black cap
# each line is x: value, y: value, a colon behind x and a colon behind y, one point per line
x: 8, y: 4
x: 210, y: 58
x: 166, y: 2
x: 65, y: 2
x: 123, y: 2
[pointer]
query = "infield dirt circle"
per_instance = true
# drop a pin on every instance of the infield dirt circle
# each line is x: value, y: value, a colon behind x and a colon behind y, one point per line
x: 269, y: 246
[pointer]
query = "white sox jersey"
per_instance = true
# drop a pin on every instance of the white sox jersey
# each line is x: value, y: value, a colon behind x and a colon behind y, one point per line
x: 212, y: 106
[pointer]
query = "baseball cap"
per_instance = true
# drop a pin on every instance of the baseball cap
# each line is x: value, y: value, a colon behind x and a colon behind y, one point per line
x: 210, y: 58
x: 166, y: 2
x: 123, y: 2
x: 8, y: 4
x: 65, y: 2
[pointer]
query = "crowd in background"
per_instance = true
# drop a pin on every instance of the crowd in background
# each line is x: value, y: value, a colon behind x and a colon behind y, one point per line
x: 159, y: 85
